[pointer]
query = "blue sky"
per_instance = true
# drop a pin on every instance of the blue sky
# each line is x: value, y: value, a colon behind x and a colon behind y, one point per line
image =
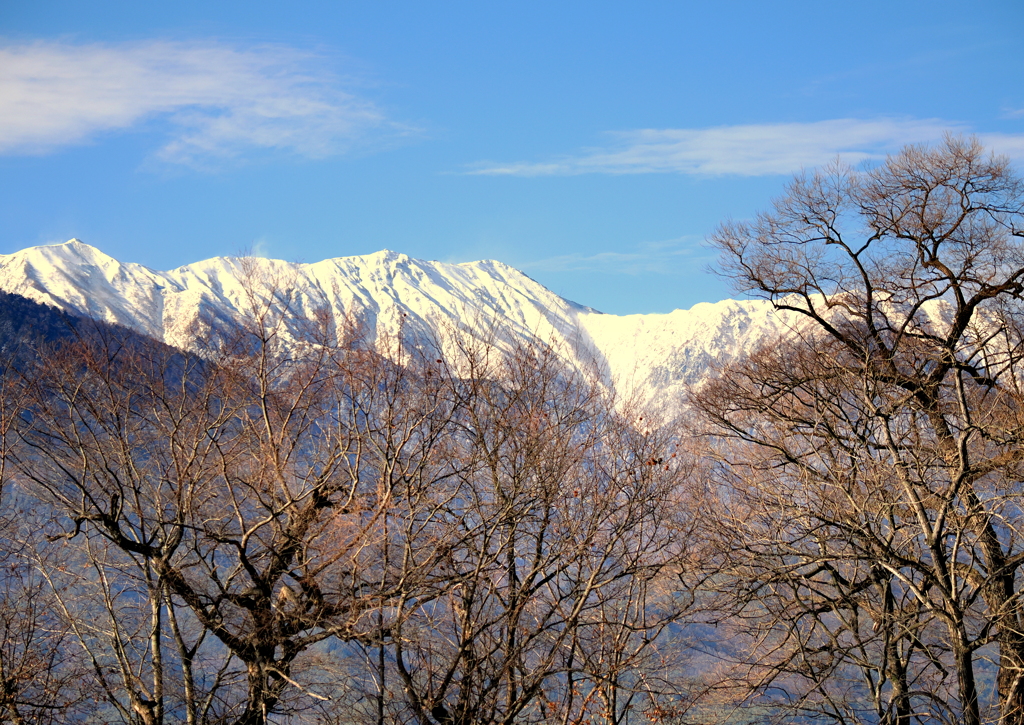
x: 593, y: 145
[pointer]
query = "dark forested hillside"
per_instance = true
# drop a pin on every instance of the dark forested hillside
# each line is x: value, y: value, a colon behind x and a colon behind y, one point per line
x: 27, y: 326
x: 24, y: 321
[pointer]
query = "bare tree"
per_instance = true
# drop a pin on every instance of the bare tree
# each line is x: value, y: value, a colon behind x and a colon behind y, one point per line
x: 237, y: 501
x: 870, y: 489
x: 296, y: 526
x: 40, y: 677
x: 561, y: 524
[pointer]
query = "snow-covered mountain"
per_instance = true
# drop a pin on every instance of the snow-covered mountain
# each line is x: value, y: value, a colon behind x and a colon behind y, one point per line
x: 650, y: 356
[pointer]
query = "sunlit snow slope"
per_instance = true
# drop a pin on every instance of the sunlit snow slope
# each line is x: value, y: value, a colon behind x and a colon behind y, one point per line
x: 650, y: 356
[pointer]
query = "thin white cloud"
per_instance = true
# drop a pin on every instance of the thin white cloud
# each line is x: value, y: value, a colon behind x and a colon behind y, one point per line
x: 649, y: 258
x: 221, y: 100
x: 1008, y: 144
x: 746, y: 150
x: 260, y: 248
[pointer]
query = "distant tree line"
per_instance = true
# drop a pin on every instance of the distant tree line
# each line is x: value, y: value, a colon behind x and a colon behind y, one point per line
x: 470, y: 532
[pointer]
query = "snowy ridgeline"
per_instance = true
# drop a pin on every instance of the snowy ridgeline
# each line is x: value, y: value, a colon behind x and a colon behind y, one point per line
x: 650, y: 357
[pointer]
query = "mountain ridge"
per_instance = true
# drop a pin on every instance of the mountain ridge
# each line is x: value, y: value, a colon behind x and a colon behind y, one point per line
x: 651, y: 357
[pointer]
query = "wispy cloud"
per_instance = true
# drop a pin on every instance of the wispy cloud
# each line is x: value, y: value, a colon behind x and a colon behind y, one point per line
x: 746, y: 150
x: 1011, y: 145
x: 647, y: 258
x: 260, y: 248
x: 221, y: 100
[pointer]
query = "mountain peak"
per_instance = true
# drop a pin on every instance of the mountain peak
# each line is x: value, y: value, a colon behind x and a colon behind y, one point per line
x: 78, y: 245
x: 385, y: 256
x: 71, y: 249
